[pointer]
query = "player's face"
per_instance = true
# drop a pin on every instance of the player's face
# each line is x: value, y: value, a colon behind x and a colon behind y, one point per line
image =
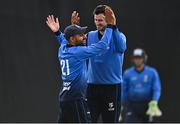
x: 100, y: 22
x: 138, y: 61
x: 80, y: 39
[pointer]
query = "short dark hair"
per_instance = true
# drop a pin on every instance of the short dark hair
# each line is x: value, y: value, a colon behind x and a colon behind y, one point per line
x: 100, y: 9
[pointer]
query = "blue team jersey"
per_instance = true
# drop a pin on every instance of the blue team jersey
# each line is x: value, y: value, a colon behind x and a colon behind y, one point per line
x: 73, y: 65
x: 106, y: 68
x: 141, y: 86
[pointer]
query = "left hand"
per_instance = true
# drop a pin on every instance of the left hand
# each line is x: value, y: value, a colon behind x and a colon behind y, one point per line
x: 110, y: 16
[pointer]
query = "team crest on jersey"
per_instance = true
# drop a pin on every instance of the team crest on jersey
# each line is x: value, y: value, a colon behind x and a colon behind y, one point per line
x: 134, y: 78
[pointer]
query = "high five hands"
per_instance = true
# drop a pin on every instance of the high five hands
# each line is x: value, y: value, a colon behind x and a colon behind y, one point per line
x: 53, y: 23
x: 109, y: 16
x: 75, y: 19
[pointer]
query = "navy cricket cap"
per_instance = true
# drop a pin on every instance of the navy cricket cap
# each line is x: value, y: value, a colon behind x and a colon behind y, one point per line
x: 73, y: 30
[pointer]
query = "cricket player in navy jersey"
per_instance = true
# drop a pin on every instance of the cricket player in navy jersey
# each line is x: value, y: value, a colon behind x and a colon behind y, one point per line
x: 72, y: 56
x: 141, y: 90
x: 104, y: 70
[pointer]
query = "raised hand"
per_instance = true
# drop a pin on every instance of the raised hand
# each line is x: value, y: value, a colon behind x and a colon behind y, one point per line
x: 75, y: 19
x: 53, y: 23
x: 109, y: 16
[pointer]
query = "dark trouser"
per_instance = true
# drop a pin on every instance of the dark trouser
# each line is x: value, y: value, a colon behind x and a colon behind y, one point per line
x: 104, y: 100
x: 135, y: 112
x: 75, y: 111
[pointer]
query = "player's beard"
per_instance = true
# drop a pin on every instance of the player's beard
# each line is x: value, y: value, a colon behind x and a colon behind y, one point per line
x: 101, y: 28
x: 81, y: 43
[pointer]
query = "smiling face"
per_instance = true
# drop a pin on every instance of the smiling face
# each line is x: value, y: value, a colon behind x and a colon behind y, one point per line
x: 99, y: 17
x: 100, y: 22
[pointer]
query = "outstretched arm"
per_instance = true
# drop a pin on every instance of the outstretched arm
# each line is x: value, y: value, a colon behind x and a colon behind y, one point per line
x: 86, y: 52
x: 119, y: 41
x: 119, y: 37
x: 53, y: 24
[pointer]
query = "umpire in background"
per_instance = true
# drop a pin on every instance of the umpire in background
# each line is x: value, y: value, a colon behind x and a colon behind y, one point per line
x: 141, y: 90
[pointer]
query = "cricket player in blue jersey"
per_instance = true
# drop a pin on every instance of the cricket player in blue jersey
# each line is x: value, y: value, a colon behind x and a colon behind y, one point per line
x: 104, y: 70
x: 72, y: 56
x: 141, y: 90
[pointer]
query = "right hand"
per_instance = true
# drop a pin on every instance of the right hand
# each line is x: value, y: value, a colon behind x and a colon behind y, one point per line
x: 153, y: 109
x: 75, y: 19
x: 52, y: 23
x: 109, y: 16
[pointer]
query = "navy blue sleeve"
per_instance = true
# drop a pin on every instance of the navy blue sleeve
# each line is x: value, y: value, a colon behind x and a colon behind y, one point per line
x: 94, y: 49
x: 156, y: 86
x: 61, y: 39
x: 119, y: 41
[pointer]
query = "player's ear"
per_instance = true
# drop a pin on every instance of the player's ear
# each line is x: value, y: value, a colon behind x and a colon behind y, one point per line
x: 71, y: 39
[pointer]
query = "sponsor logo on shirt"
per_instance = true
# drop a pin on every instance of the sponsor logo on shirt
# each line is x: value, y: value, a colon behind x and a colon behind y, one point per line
x: 66, y: 86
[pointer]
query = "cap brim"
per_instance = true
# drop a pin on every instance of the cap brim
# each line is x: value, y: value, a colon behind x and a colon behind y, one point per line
x: 83, y: 29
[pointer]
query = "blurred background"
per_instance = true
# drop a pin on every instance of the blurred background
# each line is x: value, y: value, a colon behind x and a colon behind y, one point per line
x: 29, y: 68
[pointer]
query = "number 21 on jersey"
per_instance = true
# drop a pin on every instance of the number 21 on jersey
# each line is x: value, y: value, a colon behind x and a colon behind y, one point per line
x: 65, y: 67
